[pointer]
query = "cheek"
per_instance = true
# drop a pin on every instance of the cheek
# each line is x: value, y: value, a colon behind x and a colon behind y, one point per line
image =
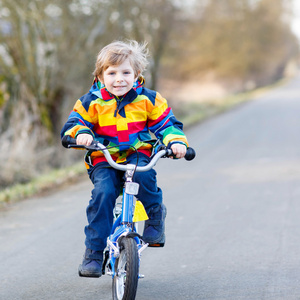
x: 132, y: 80
x: 107, y: 81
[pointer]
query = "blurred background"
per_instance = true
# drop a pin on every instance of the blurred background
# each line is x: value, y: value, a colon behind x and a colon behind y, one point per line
x: 201, y: 50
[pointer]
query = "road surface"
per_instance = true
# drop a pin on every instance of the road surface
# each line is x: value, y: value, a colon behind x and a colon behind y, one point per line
x: 233, y: 224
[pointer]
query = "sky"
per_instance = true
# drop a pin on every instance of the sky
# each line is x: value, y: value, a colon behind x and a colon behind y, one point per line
x: 296, y: 21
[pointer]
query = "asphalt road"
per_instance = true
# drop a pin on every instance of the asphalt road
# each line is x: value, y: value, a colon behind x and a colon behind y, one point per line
x: 233, y: 224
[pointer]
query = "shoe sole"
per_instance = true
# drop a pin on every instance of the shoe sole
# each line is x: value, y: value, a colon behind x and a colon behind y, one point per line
x: 161, y: 243
x: 157, y: 245
x: 88, y: 274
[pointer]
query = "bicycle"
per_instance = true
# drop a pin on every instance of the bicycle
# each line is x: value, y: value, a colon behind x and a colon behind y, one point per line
x: 124, y: 245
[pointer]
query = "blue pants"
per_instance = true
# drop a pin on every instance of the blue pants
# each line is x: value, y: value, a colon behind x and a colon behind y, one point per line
x: 107, y: 186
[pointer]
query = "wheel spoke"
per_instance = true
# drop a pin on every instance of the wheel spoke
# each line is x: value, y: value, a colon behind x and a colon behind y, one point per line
x: 126, y: 272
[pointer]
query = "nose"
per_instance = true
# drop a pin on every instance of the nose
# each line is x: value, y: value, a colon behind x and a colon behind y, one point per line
x: 119, y: 78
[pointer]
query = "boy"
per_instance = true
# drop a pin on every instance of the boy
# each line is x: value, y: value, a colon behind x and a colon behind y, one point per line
x: 118, y: 111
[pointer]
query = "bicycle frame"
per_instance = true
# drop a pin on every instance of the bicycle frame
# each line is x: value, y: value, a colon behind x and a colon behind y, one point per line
x: 124, y: 225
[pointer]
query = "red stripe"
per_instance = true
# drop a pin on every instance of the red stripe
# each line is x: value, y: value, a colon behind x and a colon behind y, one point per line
x: 110, y: 130
x: 100, y: 159
x: 123, y: 136
x: 82, y: 122
x: 145, y: 151
x: 136, y: 126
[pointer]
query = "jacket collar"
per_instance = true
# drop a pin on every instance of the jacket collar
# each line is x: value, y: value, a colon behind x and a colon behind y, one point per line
x: 101, y: 92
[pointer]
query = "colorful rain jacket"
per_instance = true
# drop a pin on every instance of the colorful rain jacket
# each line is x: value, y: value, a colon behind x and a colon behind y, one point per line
x: 121, y: 123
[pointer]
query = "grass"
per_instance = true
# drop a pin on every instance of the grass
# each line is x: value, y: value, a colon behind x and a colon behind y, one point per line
x: 193, y: 114
x: 45, y: 182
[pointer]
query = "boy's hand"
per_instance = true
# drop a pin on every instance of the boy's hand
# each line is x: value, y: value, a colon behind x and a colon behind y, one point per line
x: 84, y: 139
x: 179, y: 150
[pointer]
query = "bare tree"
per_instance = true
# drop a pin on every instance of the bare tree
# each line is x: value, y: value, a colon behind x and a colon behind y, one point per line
x: 38, y: 62
x: 244, y: 40
x: 47, y: 55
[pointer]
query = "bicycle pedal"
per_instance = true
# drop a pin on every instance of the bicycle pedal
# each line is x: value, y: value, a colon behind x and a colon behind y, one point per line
x: 141, y: 276
x: 104, y: 264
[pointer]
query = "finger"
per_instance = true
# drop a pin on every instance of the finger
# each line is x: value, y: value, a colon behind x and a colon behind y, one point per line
x: 181, y: 154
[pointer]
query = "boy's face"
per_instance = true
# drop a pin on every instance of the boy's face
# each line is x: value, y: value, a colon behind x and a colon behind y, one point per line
x: 118, y: 80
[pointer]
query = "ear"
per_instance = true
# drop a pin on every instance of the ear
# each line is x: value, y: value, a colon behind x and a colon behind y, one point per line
x: 100, y: 79
x: 138, y: 75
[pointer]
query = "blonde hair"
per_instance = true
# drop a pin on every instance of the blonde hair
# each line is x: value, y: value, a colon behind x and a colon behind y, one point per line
x: 117, y: 52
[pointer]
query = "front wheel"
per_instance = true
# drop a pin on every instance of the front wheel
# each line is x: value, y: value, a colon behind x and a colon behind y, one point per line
x: 125, y: 281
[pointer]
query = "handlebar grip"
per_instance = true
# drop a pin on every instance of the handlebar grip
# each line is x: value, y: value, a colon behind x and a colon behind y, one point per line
x: 67, y: 141
x: 190, y: 154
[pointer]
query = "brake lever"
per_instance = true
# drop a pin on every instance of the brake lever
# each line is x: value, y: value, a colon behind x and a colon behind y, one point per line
x: 93, y: 146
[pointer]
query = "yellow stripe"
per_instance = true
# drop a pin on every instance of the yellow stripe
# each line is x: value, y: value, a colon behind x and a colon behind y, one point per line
x: 122, y: 124
x: 136, y: 116
x: 174, y: 137
x: 72, y: 132
x: 103, y: 103
x: 107, y: 119
x: 142, y: 145
x: 158, y: 111
x: 140, y: 99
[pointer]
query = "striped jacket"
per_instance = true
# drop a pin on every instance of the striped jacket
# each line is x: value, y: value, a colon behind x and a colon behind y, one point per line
x: 119, y: 123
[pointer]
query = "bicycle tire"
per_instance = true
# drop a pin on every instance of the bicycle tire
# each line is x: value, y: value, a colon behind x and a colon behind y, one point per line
x: 125, y: 281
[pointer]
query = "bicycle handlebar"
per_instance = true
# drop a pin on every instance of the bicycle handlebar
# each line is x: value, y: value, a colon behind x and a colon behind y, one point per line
x: 69, y: 142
